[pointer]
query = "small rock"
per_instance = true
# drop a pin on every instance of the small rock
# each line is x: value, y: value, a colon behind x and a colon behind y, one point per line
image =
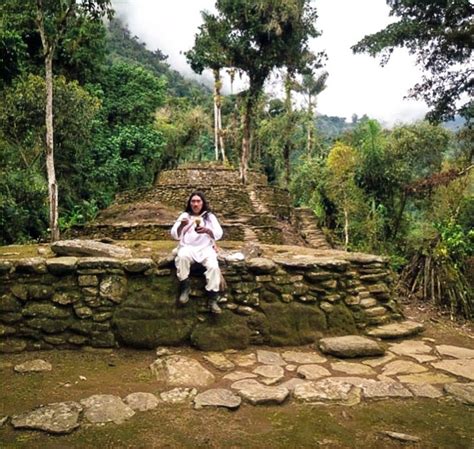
x: 402, y: 367
x: 327, y: 391
x: 302, y: 357
x: 461, y: 392
x: 410, y: 347
x: 424, y: 391
x: 219, y: 361
x: 239, y: 375
x: 141, y: 401
x: 245, y: 360
x: 178, y: 395
x: 455, y: 351
x: 82, y: 378
x: 396, y: 330
x: 258, y: 394
x: 312, y: 372
x: 352, y: 368
x: 161, y: 352
x: 217, y: 397
x: 33, y: 366
x: 350, y: 346
x: 181, y: 371
x: 458, y: 367
x: 60, y: 417
x: 269, y: 358
x: 426, y: 378
x: 400, y: 436
x: 291, y: 368
x: 271, y: 373
x: 3, y: 420
x: 103, y: 408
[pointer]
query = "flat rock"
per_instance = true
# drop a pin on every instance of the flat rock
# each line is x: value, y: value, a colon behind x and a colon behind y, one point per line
x: 396, y: 330
x: 103, y: 408
x: 217, y: 397
x: 138, y: 265
x: 261, y: 265
x: 61, y: 265
x: 60, y: 417
x: 350, y: 346
x: 402, y: 367
x: 382, y: 389
x: 271, y: 373
x: 352, y: 368
x: 219, y: 361
x: 245, y: 360
x: 410, y: 347
x: 269, y: 357
x: 302, y: 357
x: 89, y: 248
x: 239, y: 375
x: 292, y: 383
x: 33, y: 366
x: 178, y: 395
x: 178, y: 370
x: 423, y: 358
x: 458, y: 367
x: 379, y: 360
x: 462, y: 392
x: 258, y: 394
x: 425, y: 391
x: 141, y: 402
x: 426, y: 378
x: 312, y: 372
x: 455, y: 351
x: 327, y: 391
x: 3, y: 420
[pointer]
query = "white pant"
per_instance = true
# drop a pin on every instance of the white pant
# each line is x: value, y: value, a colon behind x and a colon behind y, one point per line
x: 183, y: 262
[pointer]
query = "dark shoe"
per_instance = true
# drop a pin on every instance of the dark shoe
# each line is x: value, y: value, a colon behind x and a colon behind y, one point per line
x: 184, y: 291
x: 213, y: 300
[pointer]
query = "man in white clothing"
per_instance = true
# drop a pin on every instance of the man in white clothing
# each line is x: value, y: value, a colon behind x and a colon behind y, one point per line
x: 197, y: 229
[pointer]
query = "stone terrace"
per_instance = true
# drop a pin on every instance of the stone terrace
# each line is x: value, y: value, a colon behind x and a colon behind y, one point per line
x: 252, y: 212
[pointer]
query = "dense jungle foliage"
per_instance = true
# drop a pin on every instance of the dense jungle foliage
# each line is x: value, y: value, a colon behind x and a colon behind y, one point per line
x: 121, y: 115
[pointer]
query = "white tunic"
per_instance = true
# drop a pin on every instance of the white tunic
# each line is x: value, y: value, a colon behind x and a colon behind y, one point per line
x: 200, y: 246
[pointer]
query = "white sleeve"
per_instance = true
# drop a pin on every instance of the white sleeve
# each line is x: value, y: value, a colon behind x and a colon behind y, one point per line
x: 174, y: 229
x: 215, y: 227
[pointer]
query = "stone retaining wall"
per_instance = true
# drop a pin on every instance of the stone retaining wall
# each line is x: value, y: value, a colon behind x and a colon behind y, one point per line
x: 70, y: 302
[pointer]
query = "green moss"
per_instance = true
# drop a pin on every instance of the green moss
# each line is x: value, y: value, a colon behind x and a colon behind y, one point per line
x: 341, y: 321
x: 149, y: 316
x: 226, y: 331
x: 294, y: 323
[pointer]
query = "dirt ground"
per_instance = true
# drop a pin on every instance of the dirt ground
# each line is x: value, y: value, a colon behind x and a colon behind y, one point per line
x: 441, y: 423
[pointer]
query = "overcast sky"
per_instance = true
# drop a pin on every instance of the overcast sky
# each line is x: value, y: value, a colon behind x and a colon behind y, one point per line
x: 356, y: 84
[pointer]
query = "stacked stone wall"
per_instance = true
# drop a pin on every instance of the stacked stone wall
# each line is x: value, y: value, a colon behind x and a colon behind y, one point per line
x: 69, y: 302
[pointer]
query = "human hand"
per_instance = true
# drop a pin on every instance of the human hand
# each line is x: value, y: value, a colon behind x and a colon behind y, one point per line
x: 203, y: 230
x: 184, y: 221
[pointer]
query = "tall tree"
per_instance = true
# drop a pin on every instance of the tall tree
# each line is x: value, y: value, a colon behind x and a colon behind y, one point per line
x: 257, y: 36
x: 53, y: 19
x: 440, y: 34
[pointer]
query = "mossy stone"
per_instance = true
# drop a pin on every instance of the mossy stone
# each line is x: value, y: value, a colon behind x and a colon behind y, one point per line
x: 9, y: 304
x: 50, y: 326
x: 341, y: 321
x: 149, y: 316
x: 220, y: 332
x: 12, y: 345
x: 293, y: 323
x: 45, y: 310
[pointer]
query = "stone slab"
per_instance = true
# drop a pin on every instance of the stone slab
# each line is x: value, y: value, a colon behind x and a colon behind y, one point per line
x: 302, y: 357
x: 327, y: 391
x: 402, y: 367
x: 141, y: 401
x: 462, y: 392
x: 60, y: 418
x: 312, y: 372
x: 89, y: 248
x: 103, y: 408
x: 219, y: 361
x: 350, y: 346
x: 269, y: 357
x: 458, y: 367
x: 396, y: 330
x: 33, y: 366
x: 178, y: 395
x: 455, y: 351
x: 352, y: 368
x: 217, y: 397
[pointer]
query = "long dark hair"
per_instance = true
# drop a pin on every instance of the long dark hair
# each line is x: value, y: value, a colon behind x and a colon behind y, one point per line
x: 205, y: 204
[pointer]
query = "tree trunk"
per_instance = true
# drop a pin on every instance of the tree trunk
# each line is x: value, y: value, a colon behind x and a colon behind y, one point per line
x: 216, y: 114
x: 310, y: 126
x: 52, y: 184
x: 346, y: 229
x: 244, y: 160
